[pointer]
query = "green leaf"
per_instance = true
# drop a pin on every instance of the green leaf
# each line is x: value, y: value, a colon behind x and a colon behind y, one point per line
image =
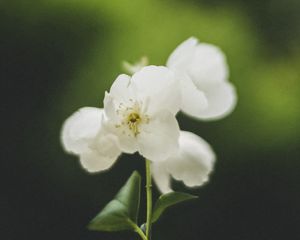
x: 121, y: 213
x: 168, y: 200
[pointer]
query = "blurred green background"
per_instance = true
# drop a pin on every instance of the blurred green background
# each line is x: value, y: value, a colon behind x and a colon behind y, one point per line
x: 57, y: 56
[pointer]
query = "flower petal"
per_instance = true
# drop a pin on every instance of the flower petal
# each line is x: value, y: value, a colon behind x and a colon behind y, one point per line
x: 193, y: 100
x: 120, y: 89
x: 120, y: 94
x: 181, y: 57
x: 209, y: 65
x: 221, y: 99
x: 157, y: 87
x: 127, y: 143
x: 192, y: 165
x: 161, y: 177
x: 205, y: 64
x: 80, y: 129
x: 110, y: 108
x: 102, y: 154
x: 113, y: 124
x: 93, y: 162
x: 158, y: 139
x: 195, y: 161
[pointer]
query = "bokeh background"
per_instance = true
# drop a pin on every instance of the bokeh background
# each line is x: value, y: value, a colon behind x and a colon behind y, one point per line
x: 57, y: 56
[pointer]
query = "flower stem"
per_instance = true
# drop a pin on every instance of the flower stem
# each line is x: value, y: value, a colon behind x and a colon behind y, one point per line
x: 141, y: 233
x: 138, y: 230
x: 149, y: 198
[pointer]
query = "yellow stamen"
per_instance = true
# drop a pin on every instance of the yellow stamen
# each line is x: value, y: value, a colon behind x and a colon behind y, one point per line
x: 133, y: 120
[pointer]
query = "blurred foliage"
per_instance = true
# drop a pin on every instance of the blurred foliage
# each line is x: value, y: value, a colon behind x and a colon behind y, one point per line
x: 60, y: 55
x: 275, y: 21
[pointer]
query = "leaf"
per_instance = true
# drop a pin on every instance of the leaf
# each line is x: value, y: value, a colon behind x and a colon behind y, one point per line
x: 121, y: 213
x: 168, y: 200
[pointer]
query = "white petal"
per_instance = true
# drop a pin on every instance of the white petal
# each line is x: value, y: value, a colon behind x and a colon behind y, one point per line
x: 120, y: 94
x: 120, y: 89
x: 93, y: 162
x: 110, y: 107
x: 158, y: 139
x: 192, y: 165
x: 221, y: 99
x: 208, y: 66
x: 102, y: 154
x: 161, y: 177
x: 194, y: 162
x: 80, y: 129
x: 157, y: 87
x: 126, y: 140
x: 193, y: 100
x: 181, y: 57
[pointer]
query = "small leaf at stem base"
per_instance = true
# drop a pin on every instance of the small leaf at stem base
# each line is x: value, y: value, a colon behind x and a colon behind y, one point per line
x: 120, y: 213
x: 168, y: 200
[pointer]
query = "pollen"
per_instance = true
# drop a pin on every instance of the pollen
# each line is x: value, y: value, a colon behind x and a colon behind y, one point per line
x: 133, y: 121
x: 132, y: 117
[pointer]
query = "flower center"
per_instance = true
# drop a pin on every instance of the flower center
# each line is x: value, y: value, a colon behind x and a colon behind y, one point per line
x: 131, y: 118
x: 133, y: 121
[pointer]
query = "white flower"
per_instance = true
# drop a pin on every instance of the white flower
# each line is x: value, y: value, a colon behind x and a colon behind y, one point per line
x: 82, y: 134
x: 139, y: 115
x: 192, y: 164
x: 203, y: 73
x: 141, y: 112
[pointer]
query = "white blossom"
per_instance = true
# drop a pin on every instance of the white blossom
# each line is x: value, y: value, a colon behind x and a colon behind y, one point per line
x: 83, y: 135
x: 191, y: 165
x: 139, y: 115
x: 203, y: 74
x: 141, y: 112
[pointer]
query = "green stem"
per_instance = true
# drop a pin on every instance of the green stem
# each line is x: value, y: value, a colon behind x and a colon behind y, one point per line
x: 141, y: 233
x: 149, y: 198
x: 138, y: 230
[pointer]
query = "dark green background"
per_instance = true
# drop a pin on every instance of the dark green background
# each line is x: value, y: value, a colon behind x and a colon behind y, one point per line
x: 57, y: 56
